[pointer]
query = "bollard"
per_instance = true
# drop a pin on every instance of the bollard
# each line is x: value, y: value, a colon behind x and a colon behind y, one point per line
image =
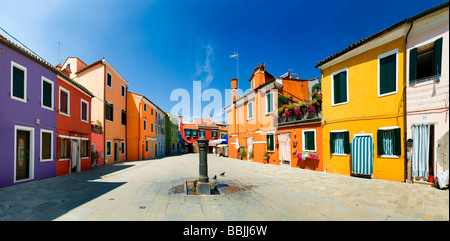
x: 203, y: 185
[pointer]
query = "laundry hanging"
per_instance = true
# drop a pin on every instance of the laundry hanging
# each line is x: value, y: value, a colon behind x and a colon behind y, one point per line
x: 421, y: 149
x: 284, y: 142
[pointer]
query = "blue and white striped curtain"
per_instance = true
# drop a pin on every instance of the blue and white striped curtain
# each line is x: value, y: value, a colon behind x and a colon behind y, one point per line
x: 421, y: 149
x: 388, y: 142
x: 338, y: 143
x: 362, y: 155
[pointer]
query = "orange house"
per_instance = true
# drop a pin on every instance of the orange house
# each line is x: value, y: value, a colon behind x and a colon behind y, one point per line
x: 109, y: 104
x: 141, y: 132
x: 258, y: 133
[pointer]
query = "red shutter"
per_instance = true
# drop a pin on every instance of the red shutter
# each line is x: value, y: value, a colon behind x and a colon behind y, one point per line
x: 63, y: 101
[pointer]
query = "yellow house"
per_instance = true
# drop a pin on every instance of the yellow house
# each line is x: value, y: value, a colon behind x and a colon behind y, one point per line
x: 363, y: 107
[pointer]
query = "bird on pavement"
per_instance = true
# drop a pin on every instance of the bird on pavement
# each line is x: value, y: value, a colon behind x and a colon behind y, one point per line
x: 215, y: 177
x: 222, y: 174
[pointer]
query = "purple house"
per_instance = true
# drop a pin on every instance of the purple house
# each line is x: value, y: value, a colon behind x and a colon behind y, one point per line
x: 27, y: 116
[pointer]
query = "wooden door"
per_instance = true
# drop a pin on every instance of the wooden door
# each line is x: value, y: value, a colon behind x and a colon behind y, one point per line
x: 22, y: 155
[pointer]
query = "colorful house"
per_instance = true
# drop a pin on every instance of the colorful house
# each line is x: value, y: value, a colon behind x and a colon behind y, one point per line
x: 27, y: 116
x: 141, y: 127
x: 427, y: 91
x: 259, y: 129
x: 109, y: 105
x: 172, y: 144
x: 191, y: 131
x: 363, y: 107
x: 73, y: 128
x: 160, y: 129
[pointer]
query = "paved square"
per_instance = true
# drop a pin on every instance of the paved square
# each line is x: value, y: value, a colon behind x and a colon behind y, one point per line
x: 152, y: 190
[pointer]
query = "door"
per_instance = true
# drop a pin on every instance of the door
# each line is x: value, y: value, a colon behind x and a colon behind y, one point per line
x: 250, y: 147
x: 22, y: 155
x: 423, y: 150
x: 74, y: 156
x: 284, y: 142
x: 362, y: 155
x: 116, y: 151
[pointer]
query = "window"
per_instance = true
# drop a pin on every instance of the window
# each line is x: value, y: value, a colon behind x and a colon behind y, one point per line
x: 339, y: 85
x: 123, y: 91
x: 339, y: 142
x: 387, y: 73
x: 152, y: 111
x: 152, y: 127
x: 109, y: 111
x: 65, y: 148
x: 269, y: 103
x: 187, y: 133
x: 122, y: 148
x: 47, y: 93
x: 309, y: 140
x: 389, y: 142
x: 146, y: 146
x: 202, y: 133
x: 46, y: 145
x: 145, y: 125
x: 64, y: 101
x: 84, y: 148
x: 108, y: 148
x: 145, y: 107
x: 18, y: 82
x: 250, y: 110
x: 270, y: 142
x: 124, y: 117
x: 109, y: 80
x: 214, y: 134
x: 84, y: 111
x: 425, y: 62
x: 194, y: 133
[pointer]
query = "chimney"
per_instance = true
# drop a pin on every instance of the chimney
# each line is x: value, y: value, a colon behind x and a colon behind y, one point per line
x: 234, y: 83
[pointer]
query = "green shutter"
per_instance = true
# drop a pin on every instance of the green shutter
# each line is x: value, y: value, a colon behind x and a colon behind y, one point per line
x: 47, y: 94
x: 437, y: 56
x: 309, y: 140
x: 346, y: 142
x: 397, y: 142
x: 332, y: 137
x: 343, y: 86
x: 336, y: 88
x: 380, y: 142
x: 388, y: 74
x: 412, y: 66
x: 18, y: 83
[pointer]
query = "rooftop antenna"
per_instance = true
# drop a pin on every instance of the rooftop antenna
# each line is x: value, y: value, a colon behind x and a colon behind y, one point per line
x: 236, y: 55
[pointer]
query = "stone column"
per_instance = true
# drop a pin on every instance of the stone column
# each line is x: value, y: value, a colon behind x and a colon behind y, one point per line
x: 203, y: 185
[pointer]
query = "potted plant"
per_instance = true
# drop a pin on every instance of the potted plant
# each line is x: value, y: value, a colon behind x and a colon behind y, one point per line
x: 266, y: 157
x: 243, y: 154
x: 251, y: 154
x: 94, y: 157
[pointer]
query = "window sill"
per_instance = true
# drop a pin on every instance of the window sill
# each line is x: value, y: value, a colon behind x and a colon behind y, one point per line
x: 339, y: 154
x: 389, y: 156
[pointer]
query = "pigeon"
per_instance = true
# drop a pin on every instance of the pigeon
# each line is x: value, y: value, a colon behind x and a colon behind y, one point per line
x: 222, y: 174
x: 215, y: 177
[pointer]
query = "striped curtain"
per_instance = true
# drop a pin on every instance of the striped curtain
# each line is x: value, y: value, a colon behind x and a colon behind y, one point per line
x: 284, y: 142
x: 421, y: 149
x: 338, y: 143
x: 388, y: 142
x: 362, y: 155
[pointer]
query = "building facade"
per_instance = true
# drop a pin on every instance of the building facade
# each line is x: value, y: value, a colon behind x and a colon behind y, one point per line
x: 109, y: 105
x: 172, y: 140
x: 427, y: 91
x: 28, y: 116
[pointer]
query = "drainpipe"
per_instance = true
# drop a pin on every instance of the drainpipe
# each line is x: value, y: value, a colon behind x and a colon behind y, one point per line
x: 405, y: 135
x: 139, y: 129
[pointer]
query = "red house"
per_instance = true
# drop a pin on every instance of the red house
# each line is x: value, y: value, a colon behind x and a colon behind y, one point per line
x: 73, y: 128
x: 191, y: 131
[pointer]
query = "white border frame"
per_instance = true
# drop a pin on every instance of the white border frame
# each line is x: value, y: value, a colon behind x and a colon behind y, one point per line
x: 68, y: 101
x: 339, y: 131
x: 332, y: 86
x: 273, y: 102
x: 52, y: 108
x: 25, y: 75
x: 110, y: 86
x: 387, y: 54
x: 124, y: 91
x: 106, y: 148
x: 274, y: 143
x: 253, y: 116
x: 388, y: 128
x: 123, y: 150
x: 31, y: 149
x: 81, y: 110
x: 303, y: 140
x: 51, y: 146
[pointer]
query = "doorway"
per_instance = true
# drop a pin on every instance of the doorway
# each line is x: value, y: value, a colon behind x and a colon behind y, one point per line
x: 284, y: 143
x: 423, y: 152
x: 74, y: 156
x: 116, y: 151
x: 22, y: 161
x: 362, y: 155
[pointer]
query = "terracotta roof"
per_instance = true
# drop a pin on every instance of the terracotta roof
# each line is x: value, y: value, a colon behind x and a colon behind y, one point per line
x: 189, y: 126
x: 385, y: 31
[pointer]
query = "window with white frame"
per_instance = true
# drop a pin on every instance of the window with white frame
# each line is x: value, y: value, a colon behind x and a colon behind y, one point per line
x: 387, y: 73
x: 250, y: 110
x: 84, y: 148
x: 270, y: 142
x: 109, y: 80
x: 339, y: 86
x: 123, y: 91
x: 339, y: 142
x: 425, y: 62
x: 122, y: 148
x: 269, y: 102
x: 388, y: 141
x: 47, y: 94
x: 46, y: 145
x: 145, y: 125
x: 64, y: 101
x: 84, y: 110
x: 146, y: 146
x: 18, y: 82
x: 108, y: 148
x: 309, y: 140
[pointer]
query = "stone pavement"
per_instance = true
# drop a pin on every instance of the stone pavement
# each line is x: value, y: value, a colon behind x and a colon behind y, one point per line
x: 154, y: 190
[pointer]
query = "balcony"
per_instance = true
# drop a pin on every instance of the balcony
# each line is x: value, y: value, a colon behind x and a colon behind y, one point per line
x: 298, y: 115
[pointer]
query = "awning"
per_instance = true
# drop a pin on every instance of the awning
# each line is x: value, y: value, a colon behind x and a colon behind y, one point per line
x: 225, y: 139
x: 362, y: 155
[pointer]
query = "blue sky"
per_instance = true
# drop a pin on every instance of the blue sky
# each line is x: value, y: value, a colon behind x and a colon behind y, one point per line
x: 163, y: 45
